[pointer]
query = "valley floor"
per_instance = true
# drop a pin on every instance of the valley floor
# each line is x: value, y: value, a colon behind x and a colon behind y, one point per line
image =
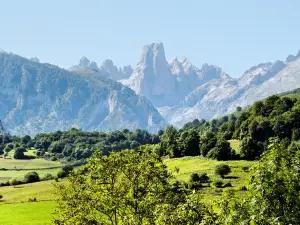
x: 15, y: 207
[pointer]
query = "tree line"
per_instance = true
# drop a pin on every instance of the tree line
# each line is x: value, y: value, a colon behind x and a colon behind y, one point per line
x: 273, y: 117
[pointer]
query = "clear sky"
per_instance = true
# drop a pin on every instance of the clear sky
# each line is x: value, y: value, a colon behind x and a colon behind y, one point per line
x: 233, y: 34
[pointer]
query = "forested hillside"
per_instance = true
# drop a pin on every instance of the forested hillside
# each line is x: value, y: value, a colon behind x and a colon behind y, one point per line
x: 273, y: 117
x: 74, y: 145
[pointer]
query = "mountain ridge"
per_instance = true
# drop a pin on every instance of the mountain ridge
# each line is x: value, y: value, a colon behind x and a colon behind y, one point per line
x: 36, y: 97
x: 189, y: 92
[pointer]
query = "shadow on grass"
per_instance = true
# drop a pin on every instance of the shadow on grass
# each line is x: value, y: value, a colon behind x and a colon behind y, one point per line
x: 231, y: 177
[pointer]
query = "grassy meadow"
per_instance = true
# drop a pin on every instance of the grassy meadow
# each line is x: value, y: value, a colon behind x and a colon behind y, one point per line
x: 15, y: 168
x: 15, y: 207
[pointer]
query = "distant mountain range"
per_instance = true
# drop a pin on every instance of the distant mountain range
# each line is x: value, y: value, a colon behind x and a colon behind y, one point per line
x: 107, y: 68
x: 39, y: 97
x: 36, y: 97
x: 182, y: 92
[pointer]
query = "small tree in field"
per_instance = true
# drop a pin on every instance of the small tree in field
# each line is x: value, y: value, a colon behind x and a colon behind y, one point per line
x: 31, y: 177
x: 222, y: 170
x: 1, y: 196
x: 19, y: 153
x: 13, y: 182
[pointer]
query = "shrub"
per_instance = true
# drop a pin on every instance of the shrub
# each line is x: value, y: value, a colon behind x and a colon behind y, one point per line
x: 203, y: 178
x: 4, y: 184
x: 194, y: 178
x: 195, y: 185
x: 48, y: 176
x: 68, y: 168
x: 245, y: 168
x: 65, y: 171
x: 31, y: 177
x: 222, y: 151
x: 222, y: 170
x: 32, y: 199
x: 218, y: 183
x: 13, y: 182
x: 228, y: 184
x: 1, y: 196
x: 19, y: 153
x: 61, y: 174
x: 243, y: 188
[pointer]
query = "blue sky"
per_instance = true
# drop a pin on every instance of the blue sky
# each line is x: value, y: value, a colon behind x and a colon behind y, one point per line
x: 232, y: 34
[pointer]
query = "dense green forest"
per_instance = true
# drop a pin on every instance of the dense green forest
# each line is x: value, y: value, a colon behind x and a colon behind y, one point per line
x: 76, y: 145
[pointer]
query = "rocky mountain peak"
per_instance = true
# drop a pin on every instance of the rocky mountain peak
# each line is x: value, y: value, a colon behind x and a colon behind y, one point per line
x: 292, y: 58
x: 127, y: 70
x: 277, y: 66
x: 175, y: 66
x: 2, y: 51
x: 108, y: 63
x: 84, y: 62
x: 153, y: 54
x: 35, y: 59
x: 114, y: 72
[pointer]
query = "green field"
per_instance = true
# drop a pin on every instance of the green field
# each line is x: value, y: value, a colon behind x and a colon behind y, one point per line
x: 19, y: 174
x: 235, y: 144
x: 16, y: 168
x: 30, y: 213
x: 188, y: 165
x: 16, y: 209
x: 27, y: 164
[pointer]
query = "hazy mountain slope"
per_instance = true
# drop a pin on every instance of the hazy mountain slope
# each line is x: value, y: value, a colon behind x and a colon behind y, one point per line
x: 38, y: 97
x: 216, y: 98
x: 286, y: 79
x: 207, y: 101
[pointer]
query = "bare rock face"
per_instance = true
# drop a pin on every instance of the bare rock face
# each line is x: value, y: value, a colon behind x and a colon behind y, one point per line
x: 113, y: 72
x: 167, y: 83
x: 38, y: 97
x: 107, y: 69
x: 84, y: 63
x: 152, y: 77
